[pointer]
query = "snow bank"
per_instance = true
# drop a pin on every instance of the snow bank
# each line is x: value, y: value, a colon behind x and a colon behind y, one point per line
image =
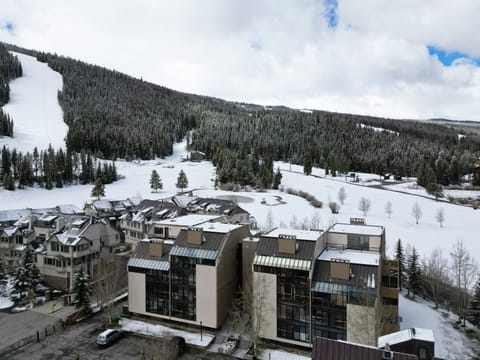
x: 145, y: 328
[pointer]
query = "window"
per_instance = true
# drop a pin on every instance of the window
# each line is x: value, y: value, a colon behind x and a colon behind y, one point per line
x: 54, y: 246
x: 422, y: 353
x: 358, y: 242
x: 158, y: 231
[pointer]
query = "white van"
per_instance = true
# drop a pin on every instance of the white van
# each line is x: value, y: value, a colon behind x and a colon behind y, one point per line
x: 108, y: 337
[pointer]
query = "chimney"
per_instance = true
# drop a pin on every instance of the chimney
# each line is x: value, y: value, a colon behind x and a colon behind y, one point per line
x: 60, y: 223
x: 155, y: 248
x: 340, y: 269
x: 195, y: 236
x: 287, y: 244
x: 32, y: 221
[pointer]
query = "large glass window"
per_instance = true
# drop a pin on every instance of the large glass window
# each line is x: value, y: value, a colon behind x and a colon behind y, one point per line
x: 157, y: 291
x: 183, y: 287
x: 329, y: 315
x: 293, y: 305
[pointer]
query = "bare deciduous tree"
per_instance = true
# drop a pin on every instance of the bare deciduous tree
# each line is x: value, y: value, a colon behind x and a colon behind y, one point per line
x: 315, y: 221
x: 440, y: 216
x: 255, y: 303
x: 268, y: 221
x: 417, y: 212
x: 364, y: 205
x: 464, y: 269
x: 108, y: 283
x: 435, y: 272
x: 342, y: 195
x: 388, y: 208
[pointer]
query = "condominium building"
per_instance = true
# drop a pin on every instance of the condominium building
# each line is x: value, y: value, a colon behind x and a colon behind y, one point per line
x: 191, y: 278
x: 336, y: 284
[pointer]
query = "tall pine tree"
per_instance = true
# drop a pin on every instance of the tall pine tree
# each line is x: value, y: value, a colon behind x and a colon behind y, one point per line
x: 400, y: 257
x: 413, y: 273
x: 182, y: 181
x: 82, y: 292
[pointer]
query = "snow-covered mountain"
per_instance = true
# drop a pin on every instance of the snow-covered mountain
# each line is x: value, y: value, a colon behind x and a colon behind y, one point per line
x: 38, y: 122
x: 33, y: 106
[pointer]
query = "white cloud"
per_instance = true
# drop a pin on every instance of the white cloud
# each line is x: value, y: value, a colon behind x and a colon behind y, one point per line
x: 273, y: 52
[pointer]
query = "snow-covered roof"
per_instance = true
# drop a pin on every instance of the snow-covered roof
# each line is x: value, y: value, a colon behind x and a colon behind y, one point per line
x: 353, y: 256
x: 218, y: 227
x: 311, y: 235
x: 372, y: 230
x: 13, y: 215
x: 406, y: 335
x: 102, y: 204
x: 183, y: 200
x: 187, y: 220
x: 10, y: 231
x: 47, y: 217
x: 69, y: 209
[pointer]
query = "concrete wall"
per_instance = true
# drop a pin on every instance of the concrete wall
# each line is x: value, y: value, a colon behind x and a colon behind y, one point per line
x: 249, y: 247
x: 361, y: 324
x: 207, y: 295
x: 265, y: 287
x: 375, y: 242
x: 337, y: 239
x: 136, y: 293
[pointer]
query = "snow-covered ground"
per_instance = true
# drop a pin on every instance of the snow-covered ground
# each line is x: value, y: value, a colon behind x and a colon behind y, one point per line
x: 144, y: 328
x: 37, y: 116
x: 39, y: 122
x: 449, y: 342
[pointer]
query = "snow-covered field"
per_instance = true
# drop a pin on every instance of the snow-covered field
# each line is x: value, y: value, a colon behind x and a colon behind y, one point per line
x: 42, y: 124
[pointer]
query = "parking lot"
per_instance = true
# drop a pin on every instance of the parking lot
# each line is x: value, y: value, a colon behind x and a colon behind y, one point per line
x: 78, y: 342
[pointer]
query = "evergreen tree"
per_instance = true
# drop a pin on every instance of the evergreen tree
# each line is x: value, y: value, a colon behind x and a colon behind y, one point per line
x: 475, y: 304
x: 413, y: 273
x: 3, y: 277
x: 277, y: 179
x: 155, y: 181
x: 21, y: 285
x: 400, y: 257
x: 182, y: 181
x: 82, y: 292
x: 99, y: 189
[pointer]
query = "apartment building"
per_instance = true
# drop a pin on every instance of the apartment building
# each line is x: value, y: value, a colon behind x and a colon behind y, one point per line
x: 137, y: 222
x: 191, y: 278
x: 212, y: 206
x: 79, y: 244
x: 336, y: 284
x: 170, y: 228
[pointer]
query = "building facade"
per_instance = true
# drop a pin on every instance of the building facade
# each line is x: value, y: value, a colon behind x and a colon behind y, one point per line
x: 191, y: 278
x: 336, y: 284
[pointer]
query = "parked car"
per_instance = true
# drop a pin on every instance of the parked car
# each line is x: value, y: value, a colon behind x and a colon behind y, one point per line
x: 108, y: 337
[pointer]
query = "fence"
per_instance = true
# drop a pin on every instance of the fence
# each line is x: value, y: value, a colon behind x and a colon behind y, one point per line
x: 36, y: 337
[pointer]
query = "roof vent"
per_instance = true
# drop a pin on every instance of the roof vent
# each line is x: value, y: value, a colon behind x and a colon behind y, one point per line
x: 387, y: 355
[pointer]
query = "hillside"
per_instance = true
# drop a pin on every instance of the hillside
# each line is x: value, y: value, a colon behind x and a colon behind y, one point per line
x: 116, y: 116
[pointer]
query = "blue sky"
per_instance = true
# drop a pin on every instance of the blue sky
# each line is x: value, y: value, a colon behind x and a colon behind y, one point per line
x: 366, y: 57
x: 331, y: 12
x: 7, y: 27
x: 447, y: 58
